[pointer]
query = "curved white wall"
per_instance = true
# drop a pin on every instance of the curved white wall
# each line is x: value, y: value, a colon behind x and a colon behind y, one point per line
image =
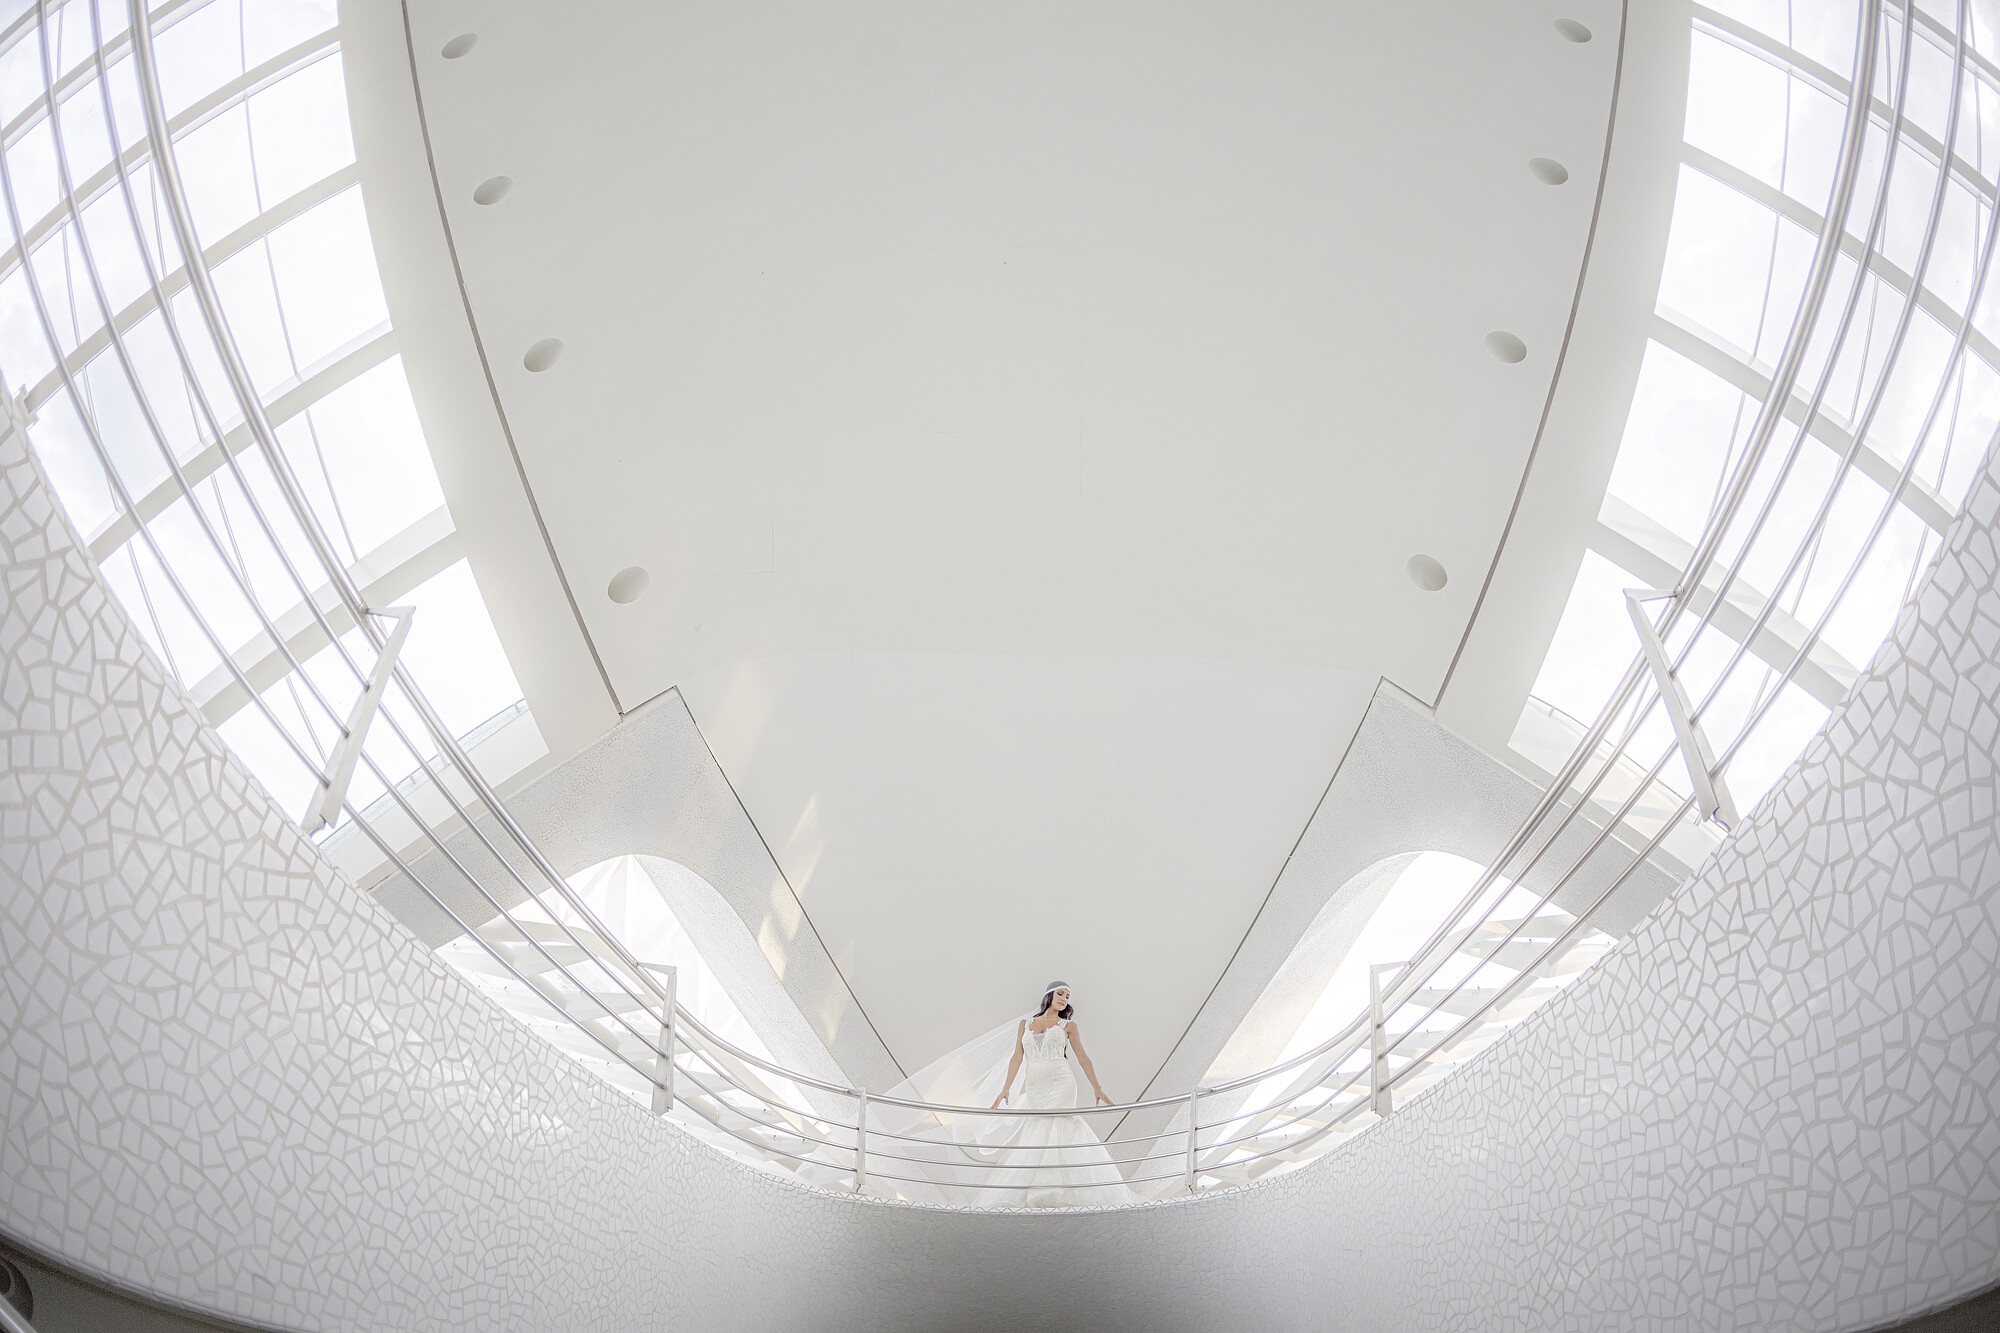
x: 231, y: 1080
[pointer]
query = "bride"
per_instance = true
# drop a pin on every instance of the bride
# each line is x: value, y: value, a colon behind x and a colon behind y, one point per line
x: 1012, y: 1160
x: 1049, y: 1084
x: 1060, y: 1156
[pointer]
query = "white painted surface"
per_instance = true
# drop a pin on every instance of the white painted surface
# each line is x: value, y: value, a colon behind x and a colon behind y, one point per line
x: 964, y: 830
x: 1014, y: 395
x: 229, y: 1079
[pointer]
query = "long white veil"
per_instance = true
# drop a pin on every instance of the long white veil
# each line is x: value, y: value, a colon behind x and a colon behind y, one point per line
x: 915, y: 1154
x: 969, y: 1075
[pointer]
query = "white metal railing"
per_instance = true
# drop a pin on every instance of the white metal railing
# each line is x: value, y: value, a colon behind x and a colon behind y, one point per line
x: 1485, y: 966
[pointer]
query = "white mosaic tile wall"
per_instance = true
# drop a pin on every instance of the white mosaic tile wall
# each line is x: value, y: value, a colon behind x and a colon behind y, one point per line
x: 230, y: 1080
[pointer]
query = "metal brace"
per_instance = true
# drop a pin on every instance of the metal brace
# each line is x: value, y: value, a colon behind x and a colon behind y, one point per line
x: 333, y: 787
x: 1710, y: 792
x: 663, y: 1088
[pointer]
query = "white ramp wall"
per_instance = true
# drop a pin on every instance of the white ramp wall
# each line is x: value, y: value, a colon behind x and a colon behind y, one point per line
x: 231, y: 1081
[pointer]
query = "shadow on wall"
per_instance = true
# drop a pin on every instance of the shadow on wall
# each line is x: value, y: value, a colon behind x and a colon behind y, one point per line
x: 63, y: 1303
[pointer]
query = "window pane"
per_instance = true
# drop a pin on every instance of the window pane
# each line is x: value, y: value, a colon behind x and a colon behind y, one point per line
x: 107, y: 226
x: 216, y: 171
x: 31, y: 166
x: 1814, y: 146
x: 114, y: 407
x: 257, y: 745
x: 1593, y: 644
x: 1824, y: 31
x: 1912, y: 387
x: 300, y: 130
x: 1909, y: 209
x: 128, y: 109
x: 1719, y: 270
x: 272, y: 27
x: 327, y: 281
x: 1868, y: 612
x: 1958, y: 445
x: 454, y: 653
x: 374, y: 448
x: 72, y: 43
x: 1736, y: 107
x: 20, y: 75
x: 1928, y: 102
x: 24, y: 351
x: 86, y: 138
x: 243, y: 282
x: 151, y: 603
x: 1678, y: 439
x: 1955, y: 253
x: 72, y: 466
x: 198, y: 54
x: 58, y: 269
x: 1773, y: 18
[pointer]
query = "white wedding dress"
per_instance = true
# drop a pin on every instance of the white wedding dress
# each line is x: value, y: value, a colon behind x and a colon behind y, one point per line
x: 990, y: 1160
x: 1052, y: 1161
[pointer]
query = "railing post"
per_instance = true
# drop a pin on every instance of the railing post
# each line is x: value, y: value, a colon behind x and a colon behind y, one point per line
x: 1194, y: 1110
x: 663, y: 1086
x: 860, y: 1141
x: 1379, y: 1095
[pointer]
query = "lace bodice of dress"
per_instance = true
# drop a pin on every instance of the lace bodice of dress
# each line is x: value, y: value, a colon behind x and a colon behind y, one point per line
x: 1052, y: 1045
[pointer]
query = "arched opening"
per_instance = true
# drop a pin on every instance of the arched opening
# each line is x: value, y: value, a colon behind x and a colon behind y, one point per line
x: 675, y: 925
x: 1317, y: 1004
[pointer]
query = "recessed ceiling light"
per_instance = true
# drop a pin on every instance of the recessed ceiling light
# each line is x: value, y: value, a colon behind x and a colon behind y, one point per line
x: 549, y: 351
x: 1544, y: 169
x: 462, y: 45
x: 493, y: 190
x: 1425, y: 572
x: 1572, y: 31
x: 627, y: 584
x: 1507, y: 347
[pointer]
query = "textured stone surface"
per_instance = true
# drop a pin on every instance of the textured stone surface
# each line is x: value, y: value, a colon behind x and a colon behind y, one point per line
x: 232, y: 1080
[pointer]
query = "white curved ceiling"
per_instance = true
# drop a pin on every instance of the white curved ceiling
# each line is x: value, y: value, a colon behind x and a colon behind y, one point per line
x: 1025, y: 413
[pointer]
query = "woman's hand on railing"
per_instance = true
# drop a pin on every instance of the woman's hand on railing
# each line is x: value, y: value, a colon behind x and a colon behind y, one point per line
x: 1105, y: 1097
x: 996, y: 1102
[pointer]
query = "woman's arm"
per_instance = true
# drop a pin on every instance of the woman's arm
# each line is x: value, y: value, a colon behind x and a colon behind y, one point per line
x: 1013, y: 1066
x: 1076, y: 1044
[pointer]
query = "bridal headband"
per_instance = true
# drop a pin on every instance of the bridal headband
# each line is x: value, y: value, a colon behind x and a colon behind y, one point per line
x: 1060, y: 985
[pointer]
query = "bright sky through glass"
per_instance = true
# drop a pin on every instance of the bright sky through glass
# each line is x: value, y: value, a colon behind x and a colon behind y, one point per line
x: 1761, y: 135
x: 270, y: 178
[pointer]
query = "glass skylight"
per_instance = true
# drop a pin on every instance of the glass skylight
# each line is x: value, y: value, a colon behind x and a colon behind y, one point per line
x: 1767, y: 84
x: 256, y: 101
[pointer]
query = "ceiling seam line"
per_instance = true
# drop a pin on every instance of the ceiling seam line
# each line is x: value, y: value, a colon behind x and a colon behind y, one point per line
x: 1562, y: 356
x: 1269, y: 893
x: 486, y: 368
x: 804, y: 915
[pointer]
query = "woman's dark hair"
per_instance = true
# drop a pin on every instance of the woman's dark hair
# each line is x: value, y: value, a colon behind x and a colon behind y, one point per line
x: 1067, y: 1012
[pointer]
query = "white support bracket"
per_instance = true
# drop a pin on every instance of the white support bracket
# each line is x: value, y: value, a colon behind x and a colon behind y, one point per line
x: 1710, y: 792
x: 663, y: 1087
x: 340, y: 772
